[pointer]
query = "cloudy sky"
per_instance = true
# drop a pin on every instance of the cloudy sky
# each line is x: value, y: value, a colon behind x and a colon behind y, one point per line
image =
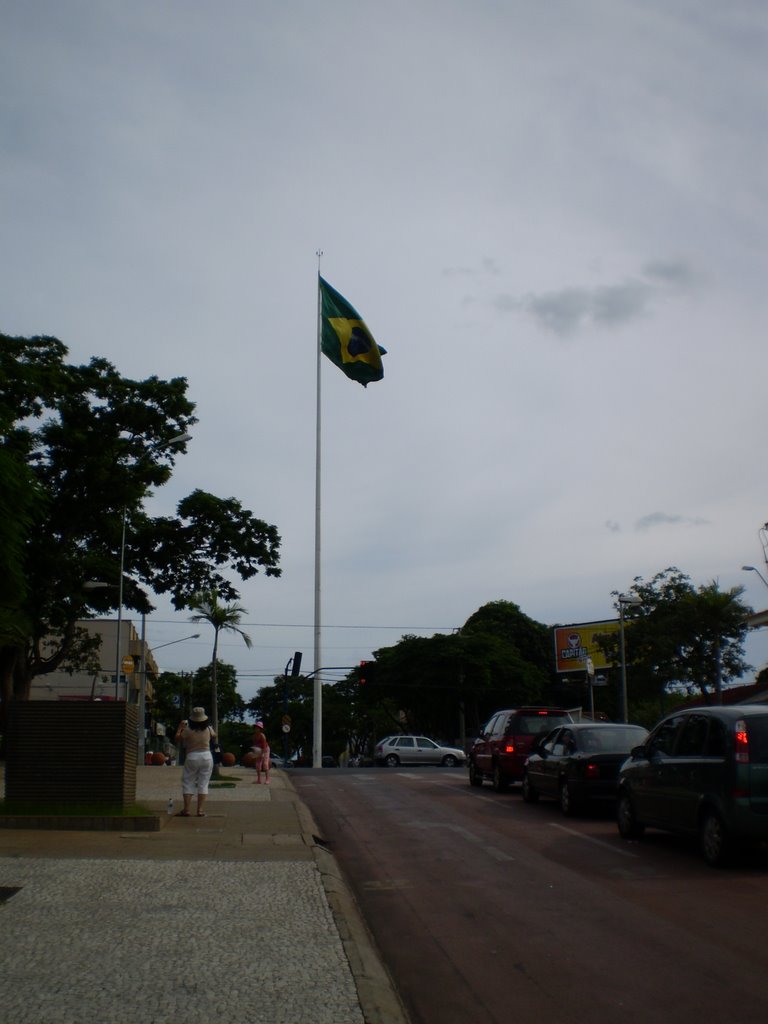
x: 552, y: 215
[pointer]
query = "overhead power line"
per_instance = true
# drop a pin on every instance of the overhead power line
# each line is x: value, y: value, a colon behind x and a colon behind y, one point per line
x: 309, y: 625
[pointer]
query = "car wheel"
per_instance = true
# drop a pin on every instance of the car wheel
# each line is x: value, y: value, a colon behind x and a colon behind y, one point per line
x: 529, y: 793
x: 475, y: 777
x: 715, y: 842
x: 567, y: 803
x: 392, y: 760
x: 629, y: 826
x: 449, y: 761
x: 500, y: 781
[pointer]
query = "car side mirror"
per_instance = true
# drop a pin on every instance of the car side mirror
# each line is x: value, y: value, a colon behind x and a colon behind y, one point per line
x: 637, y: 752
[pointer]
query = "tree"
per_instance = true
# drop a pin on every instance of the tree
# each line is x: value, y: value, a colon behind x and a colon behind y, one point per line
x: 82, y: 449
x: 292, y: 696
x: 221, y: 617
x: 175, y: 694
x: 681, y: 638
x: 445, y: 685
x: 714, y: 625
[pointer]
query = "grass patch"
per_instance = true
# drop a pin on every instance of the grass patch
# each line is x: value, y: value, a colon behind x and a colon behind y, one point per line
x: 20, y: 808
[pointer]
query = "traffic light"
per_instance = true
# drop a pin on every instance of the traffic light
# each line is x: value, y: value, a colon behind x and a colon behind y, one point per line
x: 296, y: 667
x: 366, y: 673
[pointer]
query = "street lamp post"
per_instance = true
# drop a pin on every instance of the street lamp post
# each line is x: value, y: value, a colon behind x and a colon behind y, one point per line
x: 178, y: 439
x: 751, y: 568
x: 143, y: 692
x: 632, y: 601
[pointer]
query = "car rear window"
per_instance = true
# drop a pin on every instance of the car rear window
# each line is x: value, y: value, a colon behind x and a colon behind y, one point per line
x: 615, y: 739
x: 757, y: 731
x: 533, y: 724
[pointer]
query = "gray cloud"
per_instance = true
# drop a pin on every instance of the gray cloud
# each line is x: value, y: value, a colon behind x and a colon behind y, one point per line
x: 672, y: 273
x: 488, y: 266
x: 567, y: 310
x: 664, y: 519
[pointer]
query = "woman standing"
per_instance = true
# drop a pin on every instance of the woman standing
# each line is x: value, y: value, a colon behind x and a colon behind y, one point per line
x: 195, y: 736
x: 261, y: 750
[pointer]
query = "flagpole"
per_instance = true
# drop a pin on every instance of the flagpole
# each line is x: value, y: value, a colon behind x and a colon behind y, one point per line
x: 317, y: 732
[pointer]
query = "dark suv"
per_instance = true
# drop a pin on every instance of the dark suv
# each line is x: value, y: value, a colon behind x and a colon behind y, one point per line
x: 704, y: 772
x: 505, y: 741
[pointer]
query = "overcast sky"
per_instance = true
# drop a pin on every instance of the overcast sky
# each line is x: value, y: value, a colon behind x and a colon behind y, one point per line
x: 551, y: 214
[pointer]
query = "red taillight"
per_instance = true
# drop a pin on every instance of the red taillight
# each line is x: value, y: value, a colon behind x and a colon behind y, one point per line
x: 742, y: 742
x: 509, y: 748
x: 591, y: 771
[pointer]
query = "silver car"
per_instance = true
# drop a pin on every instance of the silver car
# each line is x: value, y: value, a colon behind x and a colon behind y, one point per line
x: 395, y: 750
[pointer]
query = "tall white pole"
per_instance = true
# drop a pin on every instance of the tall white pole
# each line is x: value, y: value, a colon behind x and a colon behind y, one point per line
x: 317, y: 732
x: 118, y: 639
x: 143, y: 691
x: 622, y: 655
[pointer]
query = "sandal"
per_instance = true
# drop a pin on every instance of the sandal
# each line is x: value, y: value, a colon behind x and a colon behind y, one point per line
x: 184, y: 814
x: 200, y: 815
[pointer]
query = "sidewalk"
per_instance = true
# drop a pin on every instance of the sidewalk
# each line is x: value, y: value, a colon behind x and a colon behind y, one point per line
x: 239, y: 917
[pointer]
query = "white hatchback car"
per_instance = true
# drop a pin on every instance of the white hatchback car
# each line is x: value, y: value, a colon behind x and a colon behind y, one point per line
x: 395, y: 750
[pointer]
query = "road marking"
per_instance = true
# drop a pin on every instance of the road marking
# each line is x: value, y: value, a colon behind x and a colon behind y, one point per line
x: 388, y: 885
x: 470, y: 837
x: 591, y: 839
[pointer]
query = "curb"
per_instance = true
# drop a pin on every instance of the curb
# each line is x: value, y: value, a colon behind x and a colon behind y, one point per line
x: 378, y: 997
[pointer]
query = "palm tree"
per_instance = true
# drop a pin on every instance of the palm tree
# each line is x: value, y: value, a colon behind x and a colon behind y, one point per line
x: 221, y: 617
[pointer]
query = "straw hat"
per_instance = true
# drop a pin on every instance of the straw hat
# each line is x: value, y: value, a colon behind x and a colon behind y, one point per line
x: 198, y: 715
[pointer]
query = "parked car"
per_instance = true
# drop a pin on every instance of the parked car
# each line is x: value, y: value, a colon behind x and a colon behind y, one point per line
x: 394, y: 750
x: 505, y: 741
x: 701, y: 772
x: 579, y: 762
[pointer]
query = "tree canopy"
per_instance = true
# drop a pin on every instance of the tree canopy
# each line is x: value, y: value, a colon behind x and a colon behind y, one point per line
x: 680, y: 638
x: 82, y: 449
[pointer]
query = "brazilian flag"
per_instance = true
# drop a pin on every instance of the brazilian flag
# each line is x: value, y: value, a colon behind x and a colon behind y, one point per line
x: 346, y: 340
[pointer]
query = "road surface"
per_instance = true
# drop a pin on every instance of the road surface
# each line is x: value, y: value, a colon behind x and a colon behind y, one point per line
x: 490, y: 910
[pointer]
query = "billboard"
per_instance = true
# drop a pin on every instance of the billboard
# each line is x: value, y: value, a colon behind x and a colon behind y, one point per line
x: 575, y: 643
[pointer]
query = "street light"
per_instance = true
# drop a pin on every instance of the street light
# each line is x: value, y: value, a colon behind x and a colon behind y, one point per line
x: 751, y: 568
x: 143, y: 692
x: 177, y: 439
x: 633, y: 602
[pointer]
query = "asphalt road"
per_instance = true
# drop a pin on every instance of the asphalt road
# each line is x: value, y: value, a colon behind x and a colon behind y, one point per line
x: 487, y: 909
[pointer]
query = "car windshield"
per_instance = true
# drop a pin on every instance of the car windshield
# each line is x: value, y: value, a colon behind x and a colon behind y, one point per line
x: 615, y: 738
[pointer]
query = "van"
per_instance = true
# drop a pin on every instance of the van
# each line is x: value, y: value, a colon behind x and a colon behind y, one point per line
x: 701, y: 772
x: 505, y: 741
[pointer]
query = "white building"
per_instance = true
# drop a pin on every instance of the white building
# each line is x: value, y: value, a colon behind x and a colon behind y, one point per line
x: 101, y: 685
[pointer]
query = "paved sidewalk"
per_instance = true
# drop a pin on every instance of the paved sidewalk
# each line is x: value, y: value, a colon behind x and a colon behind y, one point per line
x: 241, y: 916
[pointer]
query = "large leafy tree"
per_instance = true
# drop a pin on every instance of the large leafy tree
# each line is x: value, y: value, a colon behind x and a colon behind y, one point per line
x: 31, y: 378
x: 680, y: 638
x: 447, y: 685
x: 82, y: 449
